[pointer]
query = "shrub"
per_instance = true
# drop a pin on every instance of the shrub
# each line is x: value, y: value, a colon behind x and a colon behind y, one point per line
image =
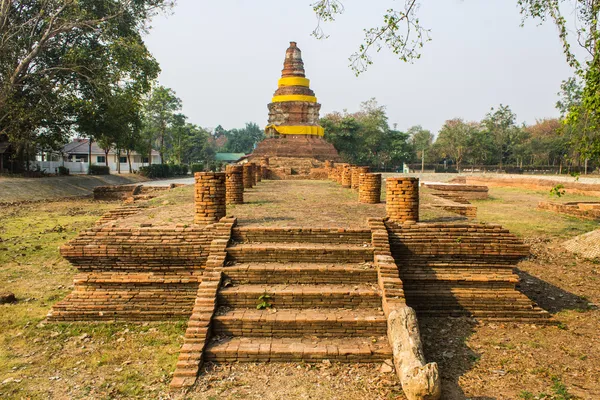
x: 197, y: 168
x: 99, y: 170
x: 62, y: 170
x: 163, y: 170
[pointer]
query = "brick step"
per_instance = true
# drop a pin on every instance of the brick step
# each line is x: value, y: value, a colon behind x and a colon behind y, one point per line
x: 293, y: 322
x: 299, y: 252
x: 536, y: 315
x: 458, y: 277
x: 444, y: 286
x: 302, y: 273
x: 347, y: 349
x: 301, y: 296
x: 126, y: 280
x: 301, y: 235
x: 112, y: 314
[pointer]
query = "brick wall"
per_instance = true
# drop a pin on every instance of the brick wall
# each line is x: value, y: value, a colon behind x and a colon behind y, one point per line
x: 469, y: 192
x: 581, y: 210
x: 461, y: 269
x: 134, y: 274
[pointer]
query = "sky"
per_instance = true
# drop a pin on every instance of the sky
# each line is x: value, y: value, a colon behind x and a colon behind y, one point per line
x: 223, y: 59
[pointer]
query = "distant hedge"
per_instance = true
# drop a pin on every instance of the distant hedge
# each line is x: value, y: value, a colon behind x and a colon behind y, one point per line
x: 99, y: 170
x: 163, y: 170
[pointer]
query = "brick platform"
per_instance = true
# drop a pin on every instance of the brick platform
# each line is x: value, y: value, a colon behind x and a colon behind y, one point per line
x: 585, y: 210
x: 462, y: 269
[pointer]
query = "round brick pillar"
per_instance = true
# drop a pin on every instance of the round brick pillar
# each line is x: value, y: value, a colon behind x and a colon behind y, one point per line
x: 369, y: 188
x: 356, y: 171
x: 347, y: 176
x: 209, y: 197
x: 402, y: 199
x: 234, y: 184
x: 254, y: 182
x: 257, y: 172
x: 248, y: 173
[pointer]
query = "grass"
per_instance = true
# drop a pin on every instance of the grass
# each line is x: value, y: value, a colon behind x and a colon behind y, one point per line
x: 119, y: 360
x: 77, y: 360
x: 516, y: 210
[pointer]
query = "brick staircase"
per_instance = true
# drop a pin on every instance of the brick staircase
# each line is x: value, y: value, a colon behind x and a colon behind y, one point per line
x: 322, y: 288
x: 463, y: 269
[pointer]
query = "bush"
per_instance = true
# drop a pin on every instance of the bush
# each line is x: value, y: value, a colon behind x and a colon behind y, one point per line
x: 99, y: 170
x: 163, y: 170
x: 62, y: 170
x: 197, y: 168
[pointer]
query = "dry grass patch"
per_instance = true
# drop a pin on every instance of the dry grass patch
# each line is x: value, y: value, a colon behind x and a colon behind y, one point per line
x: 68, y: 361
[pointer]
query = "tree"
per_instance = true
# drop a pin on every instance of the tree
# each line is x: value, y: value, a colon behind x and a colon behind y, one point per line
x: 501, y: 126
x: 160, y: 110
x: 453, y: 139
x: 242, y: 140
x: 421, y: 140
x: 53, y: 54
x: 365, y: 138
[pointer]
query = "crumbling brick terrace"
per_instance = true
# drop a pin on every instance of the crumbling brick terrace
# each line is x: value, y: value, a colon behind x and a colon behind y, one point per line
x: 309, y: 252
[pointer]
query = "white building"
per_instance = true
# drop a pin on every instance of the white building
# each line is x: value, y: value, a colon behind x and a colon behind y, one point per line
x: 75, y: 158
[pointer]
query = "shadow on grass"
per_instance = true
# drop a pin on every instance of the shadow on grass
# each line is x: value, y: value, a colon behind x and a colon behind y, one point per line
x: 548, y: 296
x: 445, y: 342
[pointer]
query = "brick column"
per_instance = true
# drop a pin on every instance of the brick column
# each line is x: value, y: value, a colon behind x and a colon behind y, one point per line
x: 257, y: 172
x: 264, y: 167
x: 253, y: 174
x: 369, y: 188
x: 402, y: 199
x: 234, y: 184
x: 248, y: 172
x: 347, y: 176
x: 210, y: 197
x: 339, y: 171
x: 356, y: 171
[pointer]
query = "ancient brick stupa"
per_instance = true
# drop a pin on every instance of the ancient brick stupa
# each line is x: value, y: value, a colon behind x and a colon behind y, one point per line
x: 294, y: 137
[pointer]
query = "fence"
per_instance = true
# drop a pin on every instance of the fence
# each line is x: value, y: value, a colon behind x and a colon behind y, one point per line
x: 81, y: 167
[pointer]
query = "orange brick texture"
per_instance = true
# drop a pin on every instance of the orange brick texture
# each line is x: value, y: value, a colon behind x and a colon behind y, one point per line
x: 234, y: 184
x: 198, y: 332
x: 257, y: 173
x: 248, y: 173
x: 115, y: 192
x: 134, y: 274
x: 402, y: 199
x: 347, y: 176
x: 210, y: 197
x: 462, y: 269
x: 583, y: 210
x: 469, y: 192
x: 323, y: 285
x: 369, y: 188
x: 355, y: 178
x: 118, y: 213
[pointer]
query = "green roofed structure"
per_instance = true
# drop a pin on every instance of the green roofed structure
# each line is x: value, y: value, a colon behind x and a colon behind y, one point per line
x: 229, y: 157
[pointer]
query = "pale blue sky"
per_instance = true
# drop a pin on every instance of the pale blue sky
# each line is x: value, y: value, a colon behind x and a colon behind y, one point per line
x: 223, y: 58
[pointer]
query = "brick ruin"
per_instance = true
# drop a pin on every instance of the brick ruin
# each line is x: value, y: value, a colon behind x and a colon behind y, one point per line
x: 582, y: 209
x: 294, y: 142
x: 345, y: 295
x: 455, y: 197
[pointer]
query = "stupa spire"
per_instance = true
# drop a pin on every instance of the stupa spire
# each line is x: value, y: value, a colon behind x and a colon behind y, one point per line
x: 294, y: 109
